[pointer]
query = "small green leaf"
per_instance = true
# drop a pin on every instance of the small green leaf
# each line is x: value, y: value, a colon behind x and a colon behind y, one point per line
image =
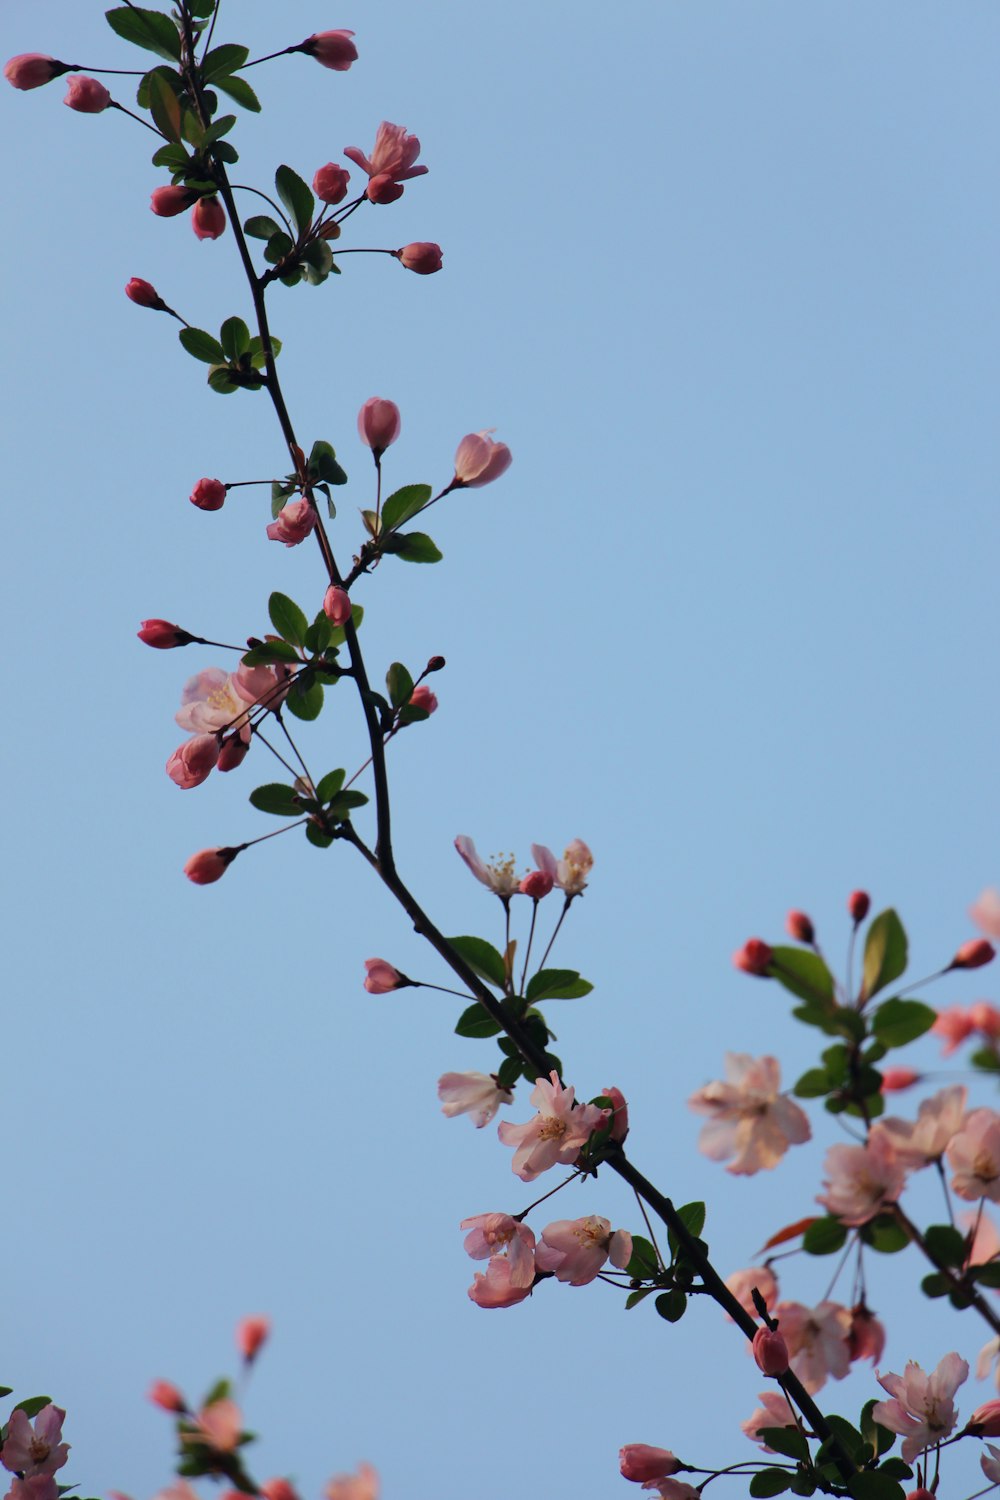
x: 813, y: 1084
x: 574, y: 991
x: 787, y: 1441
x: 645, y: 1262
x: 482, y: 958
x: 404, y: 503
x: 174, y: 157
x: 945, y: 1244
x: 234, y: 336
x: 268, y: 653
x: 399, y: 684
x: 870, y: 1484
x: 671, y: 1305
x: 287, y: 619
x: 218, y: 128
x: 824, y: 1237
x: 296, y: 197
x: 692, y: 1216
x: 146, y: 28
x: 476, y: 1022
x: 344, y: 803
x: 222, y: 379
x: 548, y: 984
x: 33, y: 1405
x: 222, y: 61
x: 414, y: 546
x: 935, y: 1285
x: 260, y: 227
x: 227, y: 152
x: 318, y: 836
x: 805, y: 974
x: 987, y: 1275
x: 885, y: 953
x: 317, y: 257
x: 323, y: 464
x: 895, y: 1466
x: 885, y: 1235
x: 508, y: 1072
x: 330, y: 785
x: 878, y: 1437
x: 305, y: 698
x: 986, y: 1059
x: 165, y: 108
x: 275, y: 798
x: 897, y: 1021
x: 634, y: 1298
x: 769, y: 1481
x: 278, y: 246
x: 240, y: 90
x: 202, y: 346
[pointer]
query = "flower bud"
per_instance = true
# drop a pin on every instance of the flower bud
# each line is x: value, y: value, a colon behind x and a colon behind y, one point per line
x: 251, y: 1334
x: 754, y: 957
x: 422, y: 697
x: 163, y: 635
x: 985, y: 1420
x: 330, y: 183
x: 278, y: 1489
x: 800, y: 927
x: 167, y: 202
x: 973, y: 954
x: 479, y: 460
x: 640, y: 1462
x: 337, y: 605
x: 770, y: 1351
x: 423, y: 256
x: 619, y: 1121
x: 142, y: 294
x: 866, y: 1338
x: 209, y: 865
x: 87, y: 95
x: 208, y: 494
x: 294, y: 523
x: 436, y: 664
x: 381, y: 977
x: 895, y: 1079
x: 537, y: 884
x: 383, y: 188
x: 330, y: 230
x: 29, y: 70
x: 165, y: 1395
x: 208, y: 218
x: 858, y: 903
x: 233, y: 751
x: 378, y: 424
x: 334, y: 49
x: 194, y: 761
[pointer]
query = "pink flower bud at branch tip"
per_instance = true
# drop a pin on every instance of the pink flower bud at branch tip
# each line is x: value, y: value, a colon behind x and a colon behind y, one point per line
x: 754, y: 957
x: 209, y: 865
x: 330, y: 183
x: 537, y: 884
x: 858, y: 903
x: 166, y: 1396
x: 379, y: 424
x: 163, y: 635
x: 87, y: 95
x: 208, y: 218
x: 381, y: 977
x: 334, y: 49
x: 142, y: 294
x: 479, y: 460
x: 642, y: 1463
x: 800, y: 927
x: 167, y: 202
x: 423, y: 257
x: 770, y: 1351
x: 973, y: 954
x: 251, y: 1335
x: 422, y: 697
x: 208, y: 494
x: 337, y: 605
x: 29, y: 70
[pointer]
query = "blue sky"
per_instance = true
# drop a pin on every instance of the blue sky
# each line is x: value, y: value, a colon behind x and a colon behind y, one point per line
x: 724, y: 278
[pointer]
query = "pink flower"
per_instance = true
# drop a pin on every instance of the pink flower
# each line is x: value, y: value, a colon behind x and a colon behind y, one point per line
x: 34, y: 1487
x: 985, y: 1244
x: 574, y: 1250
x: 209, y: 865
x: 639, y: 1462
x: 858, y: 905
x: 35, y: 1449
x: 262, y: 686
x: 497, y: 1287
x: 537, y: 884
x: 218, y: 1425
x: 211, y: 702
x: 955, y: 1026
x: 163, y: 635
x: 922, y: 1409
x: 167, y: 202
x: 29, y: 70
x: 861, y: 1180
x: 391, y: 162
x: 770, y: 1351
x: 800, y: 927
x: 817, y: 1339
x: 974, y: 1156
x: 569, y: 873
x: 337, y: 605
x: 479, y: 460
x: 209, y: 494
x: 867, y: 1336
x: 557, y: 1133
x: 510, y: 1248
x: 251, y: 1335
x: 294, y: 523
x: 278, y: 1489
x: 673, y: 1489
x: 422, y: 697
x: 87, y: 95
x: 619, y: 1113
x: 379, y: 423
x: 381, y: 977
x: 749, y: 1119
x: 938, y: 1119
x: 985, y: 912
x: 742, y: 1283
x: 894, y: 1080
x: 990, y: 1466
x: 334, y: 49
x: 774, y: 1412
x: 985, y: 1420
x: 423, y: 256
x: 166, y: 1396
x: 475, y: 1094
x: 194, y: 761
x: 973, y: 954
x: 330, y: 183
x: 208, y: 218
x: 985, y: 1018
x: 143, y: 294
x: 499, y: 876
x: 755, y: 957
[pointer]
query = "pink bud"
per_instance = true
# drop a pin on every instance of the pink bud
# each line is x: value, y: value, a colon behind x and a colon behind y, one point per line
x: 479, y: 460
x: 234, y: 749
x: 754, y: 957
x: 921, y: 1494
x: 378, y: 424
x: 143, y: 294
x: 537, y: 884
x: 163, y: 635
x: 29, y: 70
x: 330, y: 183
x: 866, y: 1338
x: 278, y: 1489
x: 895, y: 1079
x: 423, y: 256
x: 170, y: 201
x: 985, y: 1420
x: 383, y: 188
x: 858, y: 903
x: 208, y: 218
x: 167, y: 1396
x: 381, y: 977
x: 619, y: 1121
x: 251, y: 1335
x: 194, y: 761
x: 209, y: 865
x: 294, y: 523
x: 985, y: 1018
x: 640, y: 1462
x: 770, y: 1351
x: 337, y: 605
x: 87, y: 95
x: 422, y: 697
x: 208, y: 494
x: 334, y: 49
x: 800, y: 927
x: 973, y: 954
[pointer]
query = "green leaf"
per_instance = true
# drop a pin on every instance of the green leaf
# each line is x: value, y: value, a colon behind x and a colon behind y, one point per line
x: 787, y: 1441
x: 33, y: 1405
x: 671, y: 1305
x: 476, y: 1022
x: 202, y: 346
x: 218, y: 128
x: 415, y: 547
x: 634, y: 1298
x: 317, y: 836
x: 692, y: 1216
x: 174, y: 157
x: 805, y: 974
x: 296, y: 197
x: 323, y: 464
x: 644, y: 1262
x: 935, y: 1285
x: 330, y: 785
x: 226, y: 152
x: 222, y: 379
x: 275, y: 798
x: 261, y: 227
x: 234, y: 336
x: 574, y: 991
x: 880, y: 1438
x: 985, y: 1058
x: 222, y: 61
x: 6, y: 1390
x: 146, y: 28
x: 482, y: 958
x: 547, y: 984
x: 847, y: 1435
x: 946, y: 1244
x: 318, y: 635
x: 317, y: 258
x: 885, y: 1235
x: 287, y: 619
x: 268, y: 653
x: 870, y: 1484
x: 885, y: 953
x: 897, y: 1021
x: 813, y: 1084
x: 404, y: 503
x: 399, y: 684
x: 278, y: 246
x: 240, y: 90
x: 769, y: 1481
x: 895, y: 1466
x: 305, y: 698
x: 824, y: 1237
x: 344, y: 803
x: 165, y: 107
x: 508, y: 1072
x: 987, y: 1275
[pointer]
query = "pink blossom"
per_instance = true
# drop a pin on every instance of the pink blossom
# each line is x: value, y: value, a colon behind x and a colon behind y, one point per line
x: 867, y: 1336
x: 381, y: 977
x: 955, y: 1026
x: 922, y: 1409
x: 973, y: 954
x: 391, y: 162
x: 337, y: 605
x: 990, y: 1466
x: 479, y: 460
x: 774, y: 1411
x: 194, y: 761
x: 265, y: 686
x: 987, y: 1354
x: 29, y: 70
x: 569, y: 873
x: 35, y: 1449
x: 143, y: 294
x: 862, y: 1180
x: 334, y: 49
x: 163, y: 635
x: 985, y: 1244
x: 499, y: 875
x: 755, y: 957
x: 209, y: 865
x: 639, y: 1462
x: 293, y: 524
x: 210, y: 702
x: 974, y: 1156
x: 557, y: 1133
x: 619, y: 1113
x: 209, y: 494
x: 278, y: 1489
x: 168, y: 202
x: 894, y: 1080
x: 218, y: 1425
x: 770, y: 1351
x: 208, y: 218
x: 858, y: 905
x: 475, y: 1094
x: 379, y: 424
x: 537, y: 884
x: 673, y: 1489
x: 165, y: 1395
x: 985, y: 1018
x: 423, y: 257
x: 800, y: 927
x: 574, y: 1250
x: 87, y: 95
x: 422, y: 697
x: 985, y: 912
x: 501, y: 1239
x: 742, y: 1284
x: 749, y: 1119
x: 34, y: 1487
x: 497, y: 1287
x: 817, y: 1339
x: 938, y: 1119
x: 251, y: 1335
x: 330, y: 183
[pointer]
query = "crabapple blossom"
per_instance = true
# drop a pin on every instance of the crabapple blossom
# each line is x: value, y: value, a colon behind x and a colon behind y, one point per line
x: 986, y: 1019
x: 867, y: 1337
x: 800, y: 927
x: 209, y: 494
x: 209, y: 865
x: 922, y: 1408
x: 639, y: 1462
x: 390, y: 164
x: 974, y: 1156
x: 423, y: 257
x: 817, y: 1339
x: 361, y: 1486
x: 619, y: 1113
x: 165, y: 1395
x: 774, y: 1411
x: 29, y: 70
x: 475, y: 1094
x: 211, y: 701
x: 479, y: 460
x: 557, y: 1133
x: 194, y: 761
x: 34, y: 1487
x: 673, y: 1489
x: 278, y: 1489
x: 293, y: 524
x: 985, y: 912
x: 251, y: 1335
x: 334, y: 49
x: 381, y: 977
x: 379, y: 424
x: 510, y: 1248
x: 955, y: 1025
x: 499, y: 876
x: 168, y: 202
x: 938, y: 1119
x: 858, y: 905
x: 337, y: 605
x: 991, y: 1466
x: 574, y: 1250
x: 755, y: 957
x: 218, y: 1424
x: 88, y: 95
x: 163, y: 635
x: 750, y: 1120
x: 770, y: 1351
x: 536, y: 884
x: 35, y: 1449
x: 143, y: 293
x: 569, y: 873
x: 985, y: 1358
x: 496, y: 1287
x: 422, y: 697
x: 742, y: 1284
x: 973, y: 954
x: 861, y: 1180
x: 208, y: 218
x: 330, y: 183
